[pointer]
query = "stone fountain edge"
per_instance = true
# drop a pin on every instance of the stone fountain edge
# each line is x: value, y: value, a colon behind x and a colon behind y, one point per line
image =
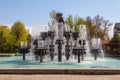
x: 73, y: 71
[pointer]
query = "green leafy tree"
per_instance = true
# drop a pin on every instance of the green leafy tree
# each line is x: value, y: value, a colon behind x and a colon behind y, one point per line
x: 53, y: 14
x: 4, y: 38
x: 115, y: 43
x: 115, y: 39
x: 2, y: 42
x: 19, y: 33
x: 90, y: 27
x: 77, y: 22
x: 52, y: 18
x: 29, y: 37
x: 70, y: 22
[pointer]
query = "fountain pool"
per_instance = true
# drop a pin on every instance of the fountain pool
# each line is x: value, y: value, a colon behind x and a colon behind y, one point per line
x: 17, y: 62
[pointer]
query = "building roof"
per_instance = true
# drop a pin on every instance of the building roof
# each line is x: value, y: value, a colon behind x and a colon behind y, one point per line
x: 117, y: 25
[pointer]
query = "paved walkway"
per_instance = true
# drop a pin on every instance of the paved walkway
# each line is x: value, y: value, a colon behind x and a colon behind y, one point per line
x: 59, y: 77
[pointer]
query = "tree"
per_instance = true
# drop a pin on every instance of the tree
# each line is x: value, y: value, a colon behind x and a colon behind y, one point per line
x: 101, y: 26
x: 97, y: 23
x: 115, y: 44
x: 98, y: 27
x: 77, y: 22
x: 90, y: 27
x: 2, y: 42
x: 53, y: 14
x: 115, y: 39
x: 4, y: 38
x: 70, y: 22
x: 106, y: 28
x: 29, y: 38
x: 19, y: 33
x: 52, y: 20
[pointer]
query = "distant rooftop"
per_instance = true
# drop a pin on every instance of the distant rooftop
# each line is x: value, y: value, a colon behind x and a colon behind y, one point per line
x: 117, y: 25
x: 117, y: 28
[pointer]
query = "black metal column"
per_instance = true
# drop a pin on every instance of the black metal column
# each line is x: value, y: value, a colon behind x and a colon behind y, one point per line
x: 96, y: 52
x: 59, y: 42
x: 82, y: 52
x: 23, y: 55
x: 95, y: 56
x: 41, y: 56
x: 51, y: 51
x: 78, y: 52
x: 67, y: 50
x: 24, y: 51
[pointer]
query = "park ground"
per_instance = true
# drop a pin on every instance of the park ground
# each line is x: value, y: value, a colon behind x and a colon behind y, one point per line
x: 59, y: 77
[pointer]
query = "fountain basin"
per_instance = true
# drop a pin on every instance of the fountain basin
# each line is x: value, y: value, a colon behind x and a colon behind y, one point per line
x: 15, y: 65
x: 17, y: 62
x: 87, y: 71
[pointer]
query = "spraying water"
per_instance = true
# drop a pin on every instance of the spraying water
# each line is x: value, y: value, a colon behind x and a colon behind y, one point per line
x: 96, y: 44
x: 58, y: 29
x: 83, y: 36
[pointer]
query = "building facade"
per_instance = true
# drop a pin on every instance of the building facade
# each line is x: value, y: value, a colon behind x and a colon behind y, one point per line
x: 117, y: 28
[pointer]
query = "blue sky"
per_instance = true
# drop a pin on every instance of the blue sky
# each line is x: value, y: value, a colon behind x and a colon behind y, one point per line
x: 36, y: 12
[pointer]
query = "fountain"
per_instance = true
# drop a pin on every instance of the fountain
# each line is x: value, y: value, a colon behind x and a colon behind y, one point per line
x: 40, y: 49
x: 59, y: 41
x: 58, y: 50
x: 24, y: 49
x: 96, y: 47
x: 67, y: 35
x: 51, y: 46
x: 64, y: 43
